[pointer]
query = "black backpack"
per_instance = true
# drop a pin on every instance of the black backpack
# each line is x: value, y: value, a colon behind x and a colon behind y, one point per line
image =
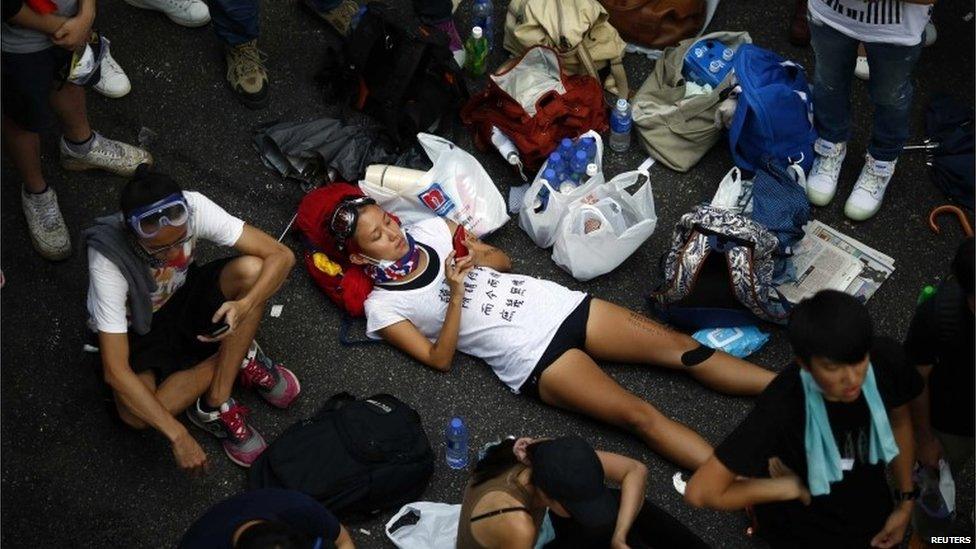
x: 356, y: 456
x: 397, y: 70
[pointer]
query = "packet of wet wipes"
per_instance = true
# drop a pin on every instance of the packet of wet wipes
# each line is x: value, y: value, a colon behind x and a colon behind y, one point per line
x: 740, y: 342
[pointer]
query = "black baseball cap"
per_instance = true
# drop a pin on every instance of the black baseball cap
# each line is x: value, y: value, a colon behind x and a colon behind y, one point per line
x: 568, y: 470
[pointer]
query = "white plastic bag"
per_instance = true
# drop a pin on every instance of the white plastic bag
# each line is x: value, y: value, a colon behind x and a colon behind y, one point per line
x: 456, y: 188
x: 435, y: 528
x: 543, y: 226
x: 605, y: 227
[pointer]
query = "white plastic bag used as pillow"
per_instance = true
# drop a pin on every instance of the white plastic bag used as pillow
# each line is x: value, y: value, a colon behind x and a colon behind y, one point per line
x: 435, y: 528
x: 603, y: 228
x: 542, y: 226
x: 455, y: 188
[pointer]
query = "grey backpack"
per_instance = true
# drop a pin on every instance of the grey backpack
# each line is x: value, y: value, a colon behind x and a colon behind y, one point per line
x: 677, y: 131
x: 719, y: 272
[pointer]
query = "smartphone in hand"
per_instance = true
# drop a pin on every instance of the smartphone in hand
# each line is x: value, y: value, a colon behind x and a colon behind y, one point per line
x: 216, y: 329
x: 460, y: 248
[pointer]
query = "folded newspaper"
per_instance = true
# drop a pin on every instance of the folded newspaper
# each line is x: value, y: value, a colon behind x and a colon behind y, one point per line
x: 829, y: 259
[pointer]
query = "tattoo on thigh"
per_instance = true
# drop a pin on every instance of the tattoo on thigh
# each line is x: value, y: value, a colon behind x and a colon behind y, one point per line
x: 647, y: 325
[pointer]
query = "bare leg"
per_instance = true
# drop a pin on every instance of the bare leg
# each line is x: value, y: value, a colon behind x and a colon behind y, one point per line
x: 618, y: 334
x: 176, y: 392
x: 574, y: 382
x: 69, y: 103
x: 24, y: 149
x: 236, y: 279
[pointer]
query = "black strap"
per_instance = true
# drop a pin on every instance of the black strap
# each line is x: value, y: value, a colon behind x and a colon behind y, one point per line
x: 344, y: 324
x: 499, y: 512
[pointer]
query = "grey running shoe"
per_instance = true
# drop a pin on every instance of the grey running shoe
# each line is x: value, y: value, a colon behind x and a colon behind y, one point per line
x: 241, y: 442
x: 105, y: 154
x: 47, y: 229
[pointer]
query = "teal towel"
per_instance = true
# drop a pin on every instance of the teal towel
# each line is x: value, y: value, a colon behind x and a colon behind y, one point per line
x: 823, y: 457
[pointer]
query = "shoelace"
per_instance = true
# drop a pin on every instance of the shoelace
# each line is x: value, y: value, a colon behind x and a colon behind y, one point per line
x: 872, y: 183
x: 48, y: 212
x: 233, y: 420
x: 249, y: 60
x: 829, y: 164
x: 181, y: 4
x: 107, y: 147
x: 256, y: 374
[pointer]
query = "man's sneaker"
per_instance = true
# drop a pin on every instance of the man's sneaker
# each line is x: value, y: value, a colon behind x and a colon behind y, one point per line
x: 47, y: 229
x: 277, y: 384
x: 865, y: 199
x: 247, y: 75
x: 340, y: 17
x: 105, y: 154
x: 188, y: 13
x: 241, y: 442
x: 113, y: 81
x: 822, y: 181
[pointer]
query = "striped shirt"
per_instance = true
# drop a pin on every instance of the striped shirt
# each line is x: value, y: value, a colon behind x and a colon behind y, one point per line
x: 885, y: 21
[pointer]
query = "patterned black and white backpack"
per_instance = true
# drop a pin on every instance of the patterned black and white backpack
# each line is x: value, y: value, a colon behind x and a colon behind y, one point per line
x: 719, y: 272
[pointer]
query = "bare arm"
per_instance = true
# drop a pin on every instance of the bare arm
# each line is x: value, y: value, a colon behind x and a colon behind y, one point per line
x: 631, y: 475
x: 893, y: 531
x: 438, y: 355
x: 75, y: 31
x: 484, y: 255
x: 714, y: 486
x: 344, y: 541
x: 30, y: 19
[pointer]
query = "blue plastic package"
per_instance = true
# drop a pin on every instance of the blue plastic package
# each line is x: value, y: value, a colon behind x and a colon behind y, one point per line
x: 739, y: 342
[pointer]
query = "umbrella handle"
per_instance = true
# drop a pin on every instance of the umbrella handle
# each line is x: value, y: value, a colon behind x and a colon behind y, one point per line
x: 949, y: 209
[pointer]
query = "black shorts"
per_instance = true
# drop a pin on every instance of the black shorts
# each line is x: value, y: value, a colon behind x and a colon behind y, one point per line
x: 571, y: 334
x: 28, y: 80
x: 171, y: 344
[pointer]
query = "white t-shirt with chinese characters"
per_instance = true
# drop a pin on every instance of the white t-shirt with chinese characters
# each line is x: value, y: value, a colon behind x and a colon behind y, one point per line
x: 507, y: 320
x: 108, y: 290
x: 885, y: 21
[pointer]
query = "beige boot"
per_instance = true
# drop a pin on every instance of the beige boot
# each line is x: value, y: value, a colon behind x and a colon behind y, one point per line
x: 247, y: 75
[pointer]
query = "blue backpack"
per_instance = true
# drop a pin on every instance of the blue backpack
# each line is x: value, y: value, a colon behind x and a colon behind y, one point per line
x: 774, y: 116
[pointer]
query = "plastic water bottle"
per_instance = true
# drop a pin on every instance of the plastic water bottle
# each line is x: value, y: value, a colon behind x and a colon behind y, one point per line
x: 620, y: 126
x: 542, y: 201
x: 579, y: 162
x: 926, y: 294
x: 482, y: 15
x: 558, y: 167
x: 506, y: 148
x: 565, y: 148
x: 589, y: 145
x: 475, y: 53
x: 456, y: 441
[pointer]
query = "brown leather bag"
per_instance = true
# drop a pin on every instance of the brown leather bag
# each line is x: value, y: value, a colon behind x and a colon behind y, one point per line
x: 656, y: 23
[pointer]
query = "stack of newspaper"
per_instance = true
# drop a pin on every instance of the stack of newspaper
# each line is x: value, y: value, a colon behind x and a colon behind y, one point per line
x: 828, y: 259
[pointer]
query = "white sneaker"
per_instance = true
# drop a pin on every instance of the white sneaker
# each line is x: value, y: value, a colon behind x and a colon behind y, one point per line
x: 861, y: 68
x: 822, y: 181
x: 105, y: 154
x: 865, y: 199
x: 188, y: 13
x: 113, y: 81
x: 47, y: 229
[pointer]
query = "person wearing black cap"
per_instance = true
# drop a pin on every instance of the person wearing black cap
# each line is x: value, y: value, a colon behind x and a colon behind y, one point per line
x: 517, y: 480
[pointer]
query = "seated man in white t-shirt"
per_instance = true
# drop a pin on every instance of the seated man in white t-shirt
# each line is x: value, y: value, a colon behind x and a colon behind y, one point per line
x: 174, y: 335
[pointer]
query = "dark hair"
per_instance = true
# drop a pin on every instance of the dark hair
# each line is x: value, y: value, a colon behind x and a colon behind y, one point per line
x: 272, y: 534
x: 146, y: 187
x: 962, y: 266
x: 831, y: 325
x: 497, y: 459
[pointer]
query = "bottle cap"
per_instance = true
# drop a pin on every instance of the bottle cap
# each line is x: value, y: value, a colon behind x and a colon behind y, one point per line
x: 477, y: 33
x: 621, y: 104
x: 591, y: 170
x: 549, y: 175
x: 456, y: 423
x: 566, y: 143
x: 581, y: 155
x: 513, y: 158
x: 555, y: 158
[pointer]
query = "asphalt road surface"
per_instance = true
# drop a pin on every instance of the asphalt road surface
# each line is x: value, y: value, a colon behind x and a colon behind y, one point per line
x: 72, y: 476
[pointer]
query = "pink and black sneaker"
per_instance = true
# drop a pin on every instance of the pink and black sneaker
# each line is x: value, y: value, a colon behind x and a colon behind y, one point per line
x: 242, y: 444
x: 277, y: 384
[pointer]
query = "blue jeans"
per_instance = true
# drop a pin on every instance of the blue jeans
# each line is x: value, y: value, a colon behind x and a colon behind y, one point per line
x: 890, y: 89
x: 235, y: 21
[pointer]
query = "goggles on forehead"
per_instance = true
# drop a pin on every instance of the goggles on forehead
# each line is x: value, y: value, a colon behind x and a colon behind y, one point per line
x: 147, y: 221
x: 345, y: 217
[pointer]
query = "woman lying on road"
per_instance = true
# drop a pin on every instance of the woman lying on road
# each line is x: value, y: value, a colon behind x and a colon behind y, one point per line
x: 540, y: 338
x: 515, y: 481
